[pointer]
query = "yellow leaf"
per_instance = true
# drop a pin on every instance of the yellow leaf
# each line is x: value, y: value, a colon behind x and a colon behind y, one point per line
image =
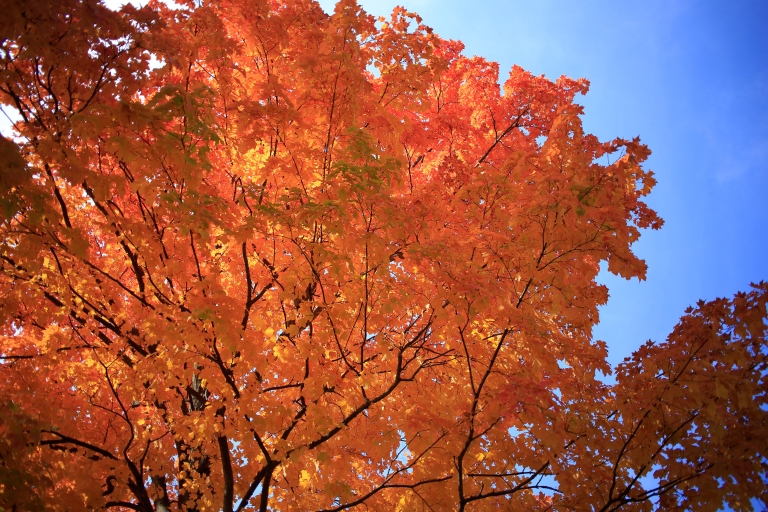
x: 304, y: 479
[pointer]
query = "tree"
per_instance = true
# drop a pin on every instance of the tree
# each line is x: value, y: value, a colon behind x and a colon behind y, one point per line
x: 259, y: 257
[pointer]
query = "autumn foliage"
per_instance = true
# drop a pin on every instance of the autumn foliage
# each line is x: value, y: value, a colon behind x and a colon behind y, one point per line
x: 255, y: 256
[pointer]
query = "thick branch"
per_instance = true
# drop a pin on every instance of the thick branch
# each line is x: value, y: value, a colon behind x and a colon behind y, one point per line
x: 59, y: 198
x: 229, y: 482
x: 62, y: 439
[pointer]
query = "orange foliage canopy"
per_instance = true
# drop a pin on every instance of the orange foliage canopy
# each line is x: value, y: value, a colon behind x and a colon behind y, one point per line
x: 259, y: 257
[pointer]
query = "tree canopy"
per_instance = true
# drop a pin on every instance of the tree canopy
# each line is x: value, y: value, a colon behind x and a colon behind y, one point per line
x: 259, y: 257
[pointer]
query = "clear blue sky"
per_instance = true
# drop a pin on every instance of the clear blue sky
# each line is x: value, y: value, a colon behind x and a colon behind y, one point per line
x: 689, y: 77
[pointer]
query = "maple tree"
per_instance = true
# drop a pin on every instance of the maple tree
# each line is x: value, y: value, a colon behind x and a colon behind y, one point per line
x: 255, y: 256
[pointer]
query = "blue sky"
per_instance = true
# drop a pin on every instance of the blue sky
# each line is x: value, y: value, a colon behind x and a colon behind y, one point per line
x: 689, y: 77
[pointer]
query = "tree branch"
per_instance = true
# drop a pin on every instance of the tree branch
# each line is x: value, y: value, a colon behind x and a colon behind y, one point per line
x: 71, y: 440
